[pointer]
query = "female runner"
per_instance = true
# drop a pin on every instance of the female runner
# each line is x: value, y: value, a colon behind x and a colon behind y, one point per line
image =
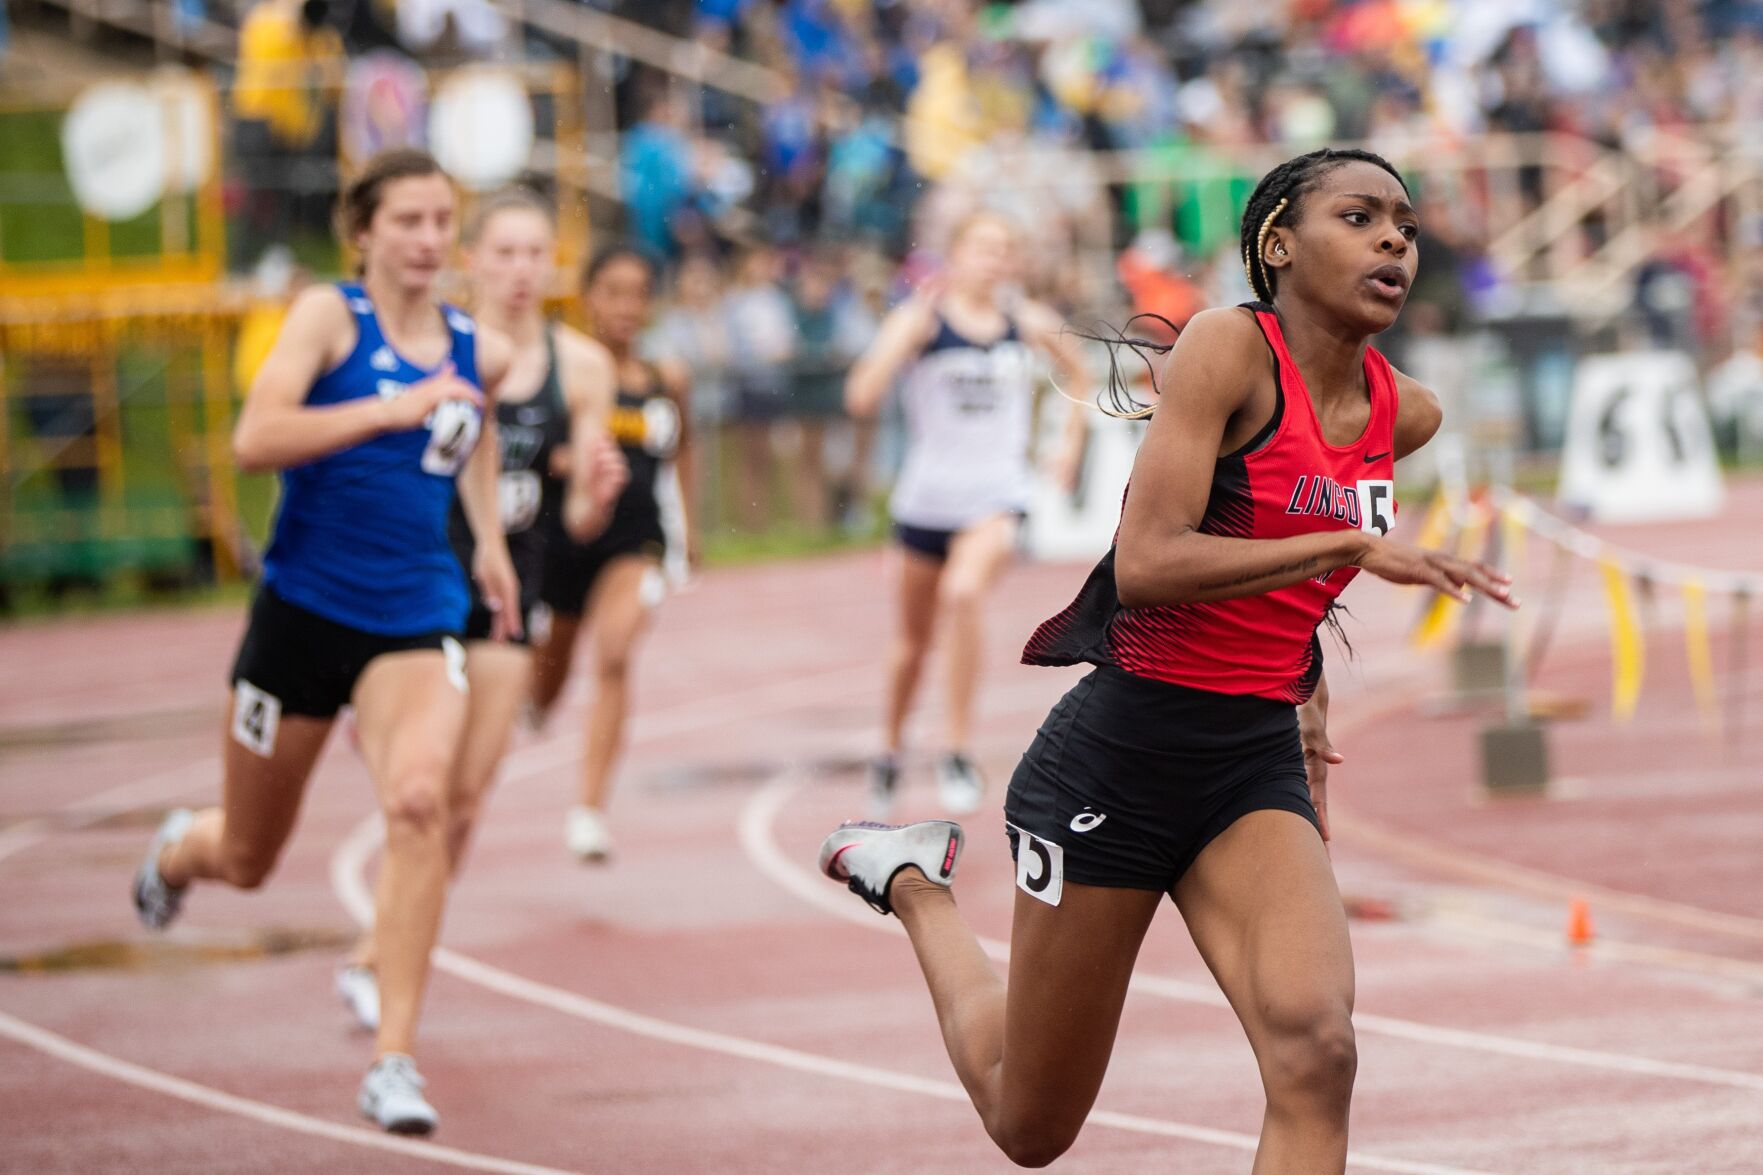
x: 965, y: 355
x: 616, y: 581
x: 370, y: 406
x: 560, y: 472
x: 1193, y: 761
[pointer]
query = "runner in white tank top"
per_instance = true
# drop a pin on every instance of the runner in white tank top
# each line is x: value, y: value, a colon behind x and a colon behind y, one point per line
x: 967, y: 373
x: 969, y: 415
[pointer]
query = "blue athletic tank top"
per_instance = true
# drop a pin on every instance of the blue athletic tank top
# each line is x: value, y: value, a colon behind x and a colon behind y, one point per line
x: 361, y: 535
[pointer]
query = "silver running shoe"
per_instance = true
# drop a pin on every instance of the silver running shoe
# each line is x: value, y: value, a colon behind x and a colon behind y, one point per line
x: 391, y: 1095
x: 960, y: 786
x: 157, y: 903
x: 884, y: 785
x: 359, y: 989
x: 587, y: 835
x: 866, y: 856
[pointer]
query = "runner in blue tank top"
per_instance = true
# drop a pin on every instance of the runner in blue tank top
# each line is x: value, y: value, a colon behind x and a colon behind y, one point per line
x: 560, y: 473
x: 372, y: 404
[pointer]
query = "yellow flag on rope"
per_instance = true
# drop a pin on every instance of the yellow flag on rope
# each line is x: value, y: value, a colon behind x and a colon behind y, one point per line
x: 1701, y: 653
x: 1626, y: 651
x: 1442, y: 614
x: 1512, y: 535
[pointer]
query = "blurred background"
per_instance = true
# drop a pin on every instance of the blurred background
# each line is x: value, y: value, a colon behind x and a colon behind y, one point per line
x: 1589, y: 175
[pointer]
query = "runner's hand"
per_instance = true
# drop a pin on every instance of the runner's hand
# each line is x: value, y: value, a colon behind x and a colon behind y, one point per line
x: 1457, y: 578
x: 1319, y: 756
x: 411, y: 409
x: 500, y: 588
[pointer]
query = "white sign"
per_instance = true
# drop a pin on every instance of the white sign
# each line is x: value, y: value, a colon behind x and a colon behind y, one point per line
x: 1638, y: 445
x: 1066, y: 526
x: 113, y: 144
x: 481, y: 127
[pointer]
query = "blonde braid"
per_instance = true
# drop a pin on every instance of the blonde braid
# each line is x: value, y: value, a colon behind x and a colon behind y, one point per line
x: 1261, y: 246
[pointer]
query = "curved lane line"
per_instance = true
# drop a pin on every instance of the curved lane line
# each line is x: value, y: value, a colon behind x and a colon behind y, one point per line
x: 348, y: 864
x: 61, y: 1048
x: 761, y: 847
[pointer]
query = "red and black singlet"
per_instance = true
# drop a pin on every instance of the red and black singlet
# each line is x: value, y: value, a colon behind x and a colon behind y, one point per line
x: 1288, y: 480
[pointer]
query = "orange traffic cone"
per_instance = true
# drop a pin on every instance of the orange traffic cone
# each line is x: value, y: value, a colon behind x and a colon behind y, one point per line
x: 1579, y: 923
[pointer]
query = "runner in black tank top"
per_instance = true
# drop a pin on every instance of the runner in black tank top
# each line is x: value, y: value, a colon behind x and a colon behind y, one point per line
x: 616, y: 581
x: 1209, y: 785
x: 551, y: 416
x: 534, y: 435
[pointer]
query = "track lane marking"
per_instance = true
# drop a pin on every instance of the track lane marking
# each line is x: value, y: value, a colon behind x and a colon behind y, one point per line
x: 348, y: 866
x: 760, y: 845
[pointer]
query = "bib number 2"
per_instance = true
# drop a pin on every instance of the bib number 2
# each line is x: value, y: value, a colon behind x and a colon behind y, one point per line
x: 453, y: 431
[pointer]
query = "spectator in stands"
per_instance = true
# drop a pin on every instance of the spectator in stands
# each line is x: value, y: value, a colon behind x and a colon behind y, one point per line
x: 290, y: 65
x: 656, y: 173
x: 762, y: 327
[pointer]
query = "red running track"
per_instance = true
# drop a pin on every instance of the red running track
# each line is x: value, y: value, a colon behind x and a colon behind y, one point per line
x: 706, y: 1003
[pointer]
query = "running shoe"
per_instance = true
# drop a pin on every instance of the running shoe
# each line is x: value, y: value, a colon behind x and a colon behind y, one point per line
x: 157, y: 903
x: 884, y: 783
x: 960, y: 786
x: 391, y: 1094
x: 866, y: 856
x: 586, y: 834
x: 359, y: 989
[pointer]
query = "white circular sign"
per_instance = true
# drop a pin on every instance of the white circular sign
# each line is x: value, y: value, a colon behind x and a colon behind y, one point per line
x: 189, y: 127
x: 113, y: 146
x: 481, y: 127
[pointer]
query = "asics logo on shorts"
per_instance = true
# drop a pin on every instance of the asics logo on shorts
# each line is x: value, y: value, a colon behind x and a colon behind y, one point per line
x: 1086, y: 820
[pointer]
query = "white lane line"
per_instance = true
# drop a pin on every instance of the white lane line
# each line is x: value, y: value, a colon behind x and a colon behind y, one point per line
x: 760, y: 845
x: 1432, y: 856
x: 348, y: 866
x: 28, y: 833
x: 61, y: 1048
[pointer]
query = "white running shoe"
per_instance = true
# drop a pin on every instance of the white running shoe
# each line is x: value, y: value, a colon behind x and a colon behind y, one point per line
x: 391, y: 1094
x: 157, y: 903
x: 960, y: 786
x: 359, y: 989
x: 866, y: 856
x: 884, y: 785
x: 586, y: 834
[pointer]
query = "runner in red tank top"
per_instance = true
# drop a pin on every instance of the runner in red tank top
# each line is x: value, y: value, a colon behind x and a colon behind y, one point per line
x: 1193, y: 761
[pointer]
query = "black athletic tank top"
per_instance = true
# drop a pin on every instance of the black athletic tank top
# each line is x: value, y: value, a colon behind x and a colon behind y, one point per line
x: 530, y: 432
x: 646, y: 425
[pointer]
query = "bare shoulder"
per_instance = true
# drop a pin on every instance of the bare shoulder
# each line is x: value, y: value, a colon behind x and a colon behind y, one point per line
x: 576, y: 348
x: 1418, y: 413
x: 495, y: 351
x: 319, y: 329
x: 676, y: 377
x: 320, y: 307
x: 1230, y: 329
x: 1038, y: 318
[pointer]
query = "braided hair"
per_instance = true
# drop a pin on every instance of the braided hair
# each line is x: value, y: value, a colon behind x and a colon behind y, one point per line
x: 1276, y: 201
x: 1279, y: 197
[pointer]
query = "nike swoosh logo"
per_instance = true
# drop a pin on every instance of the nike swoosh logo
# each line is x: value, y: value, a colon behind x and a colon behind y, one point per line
x: 1377, y: 457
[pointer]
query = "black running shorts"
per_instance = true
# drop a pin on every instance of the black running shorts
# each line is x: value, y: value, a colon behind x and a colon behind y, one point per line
x: 1129, y: 779
x: 296, y: 662
x: 571, y: 568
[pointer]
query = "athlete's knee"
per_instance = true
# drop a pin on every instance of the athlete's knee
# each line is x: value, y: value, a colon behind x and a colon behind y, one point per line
x: 416, y: 799
x: 1034, y: 1141
x: 961, y: 595
x: 613, y: 663
x: 246, y: 866
x: 1313, y: 1054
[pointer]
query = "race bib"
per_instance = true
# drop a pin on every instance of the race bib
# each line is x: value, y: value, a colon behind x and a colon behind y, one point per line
x: 1040, y: 867
x: 519, y: 493
x: 256, y: 715
x: 453, y: 431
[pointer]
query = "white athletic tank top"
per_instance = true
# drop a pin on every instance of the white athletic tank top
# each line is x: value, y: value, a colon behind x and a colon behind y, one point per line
x: 969, y: 415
